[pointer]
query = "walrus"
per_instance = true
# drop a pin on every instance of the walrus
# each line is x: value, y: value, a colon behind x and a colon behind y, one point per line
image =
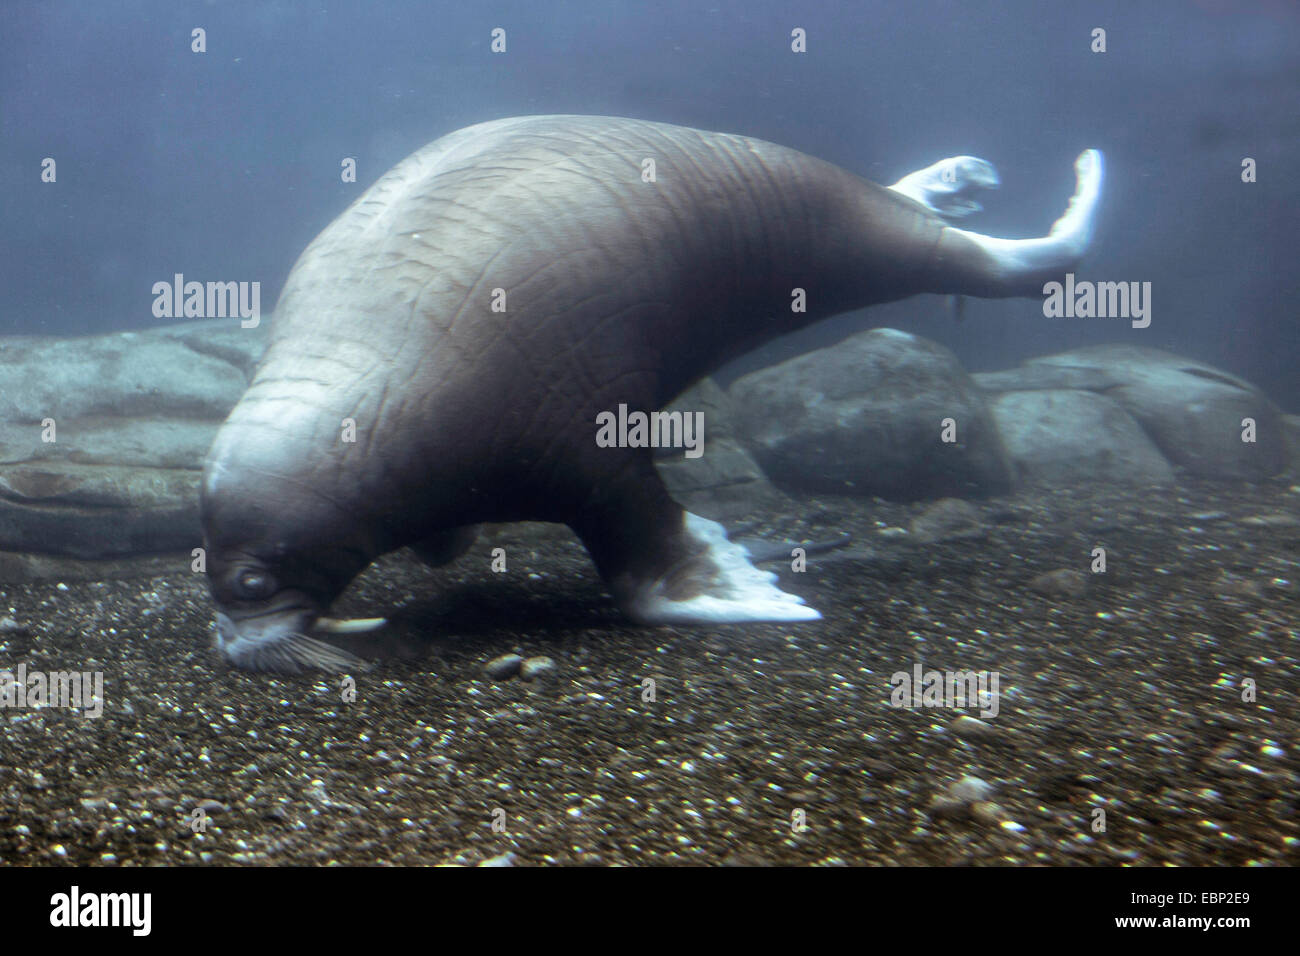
x: 474, y: 311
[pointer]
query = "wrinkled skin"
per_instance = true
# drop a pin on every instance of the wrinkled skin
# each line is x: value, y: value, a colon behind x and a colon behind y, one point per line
x: 617, y: 291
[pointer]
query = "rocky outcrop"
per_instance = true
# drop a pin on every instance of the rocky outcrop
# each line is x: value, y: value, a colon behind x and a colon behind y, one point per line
x: 1192, y: 412
x: 102, y: 439
x: 1063, y: 436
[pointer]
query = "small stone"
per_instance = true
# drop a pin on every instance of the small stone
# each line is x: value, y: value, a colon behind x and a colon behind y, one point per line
x: 982, y: 811
x: 971, y: 789
x: 503, y: 667
x: 1275, y: 519
x: 212, y: 806
x: 536, y: 667
x: 946, y: 520
x: 9, y: 626
x: 961, y: 798
x: 972, y: 728
x: 504, y: 859
x: 1061, y: 583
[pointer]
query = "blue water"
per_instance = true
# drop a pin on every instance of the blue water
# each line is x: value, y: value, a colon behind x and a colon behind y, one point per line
x: 223, y: 165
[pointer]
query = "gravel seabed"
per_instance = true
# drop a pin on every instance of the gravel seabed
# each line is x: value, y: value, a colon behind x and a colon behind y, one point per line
x: 763, y: 744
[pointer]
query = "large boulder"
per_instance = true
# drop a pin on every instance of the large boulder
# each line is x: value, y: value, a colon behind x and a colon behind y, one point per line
x: 1193, y: 412
x: 866, y: 417
x: 130, y: 415
x: 1064, y: 436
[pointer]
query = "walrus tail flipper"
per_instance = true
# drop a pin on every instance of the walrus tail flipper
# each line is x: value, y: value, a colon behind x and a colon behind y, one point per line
x: 976, y: 264
x: 665, y: 565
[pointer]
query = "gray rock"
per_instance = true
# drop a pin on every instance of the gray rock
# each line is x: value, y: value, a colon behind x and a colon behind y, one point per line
x: 949, y: 519
x: 24, y: 566
x: 865, y: 417
x: 725, y: 481
x: 1061, y: 583
x: 1061, y: 437
x: 503, y: 667
x: 1190, y: 410
x: 144, y: 442
x: 134, y: 414
x: 121, y: 375
x: 88, y: 512
x: 960, y: 797
x: 1033, y: 377
x: 536, y: 667
x: 972, y: 728
x: 223, y: 339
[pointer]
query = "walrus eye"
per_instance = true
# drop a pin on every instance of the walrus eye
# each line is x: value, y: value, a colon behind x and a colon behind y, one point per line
x: 251, y: 585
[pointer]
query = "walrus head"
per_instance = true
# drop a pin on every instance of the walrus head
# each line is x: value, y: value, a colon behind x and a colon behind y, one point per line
x: 280, y: 542
x: 272, y: 593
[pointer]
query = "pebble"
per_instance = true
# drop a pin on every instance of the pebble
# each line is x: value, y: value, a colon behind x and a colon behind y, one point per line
x: 970, y: 789
x: 536, y: 667
x: 504, y: 859
x: 1275, y: 520
x: 947, y: 519
x: 961, y: 797
x: 504, y: 667
x: 1062, y: 582
x: 9, y: 626
x: 972, y: 728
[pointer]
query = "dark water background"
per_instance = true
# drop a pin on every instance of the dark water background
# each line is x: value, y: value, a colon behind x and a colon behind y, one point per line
x: 223, y: 166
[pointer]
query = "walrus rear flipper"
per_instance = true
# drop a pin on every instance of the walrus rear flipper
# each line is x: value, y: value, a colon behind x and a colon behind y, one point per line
x: 665, y: 565
x: 970, y: 263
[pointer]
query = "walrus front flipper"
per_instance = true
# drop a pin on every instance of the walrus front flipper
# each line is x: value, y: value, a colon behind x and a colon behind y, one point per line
x: 717, y: 584
x: 665, y: 565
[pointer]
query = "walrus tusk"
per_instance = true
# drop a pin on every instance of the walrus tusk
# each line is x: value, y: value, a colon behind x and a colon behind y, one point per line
x: 353, y: 625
